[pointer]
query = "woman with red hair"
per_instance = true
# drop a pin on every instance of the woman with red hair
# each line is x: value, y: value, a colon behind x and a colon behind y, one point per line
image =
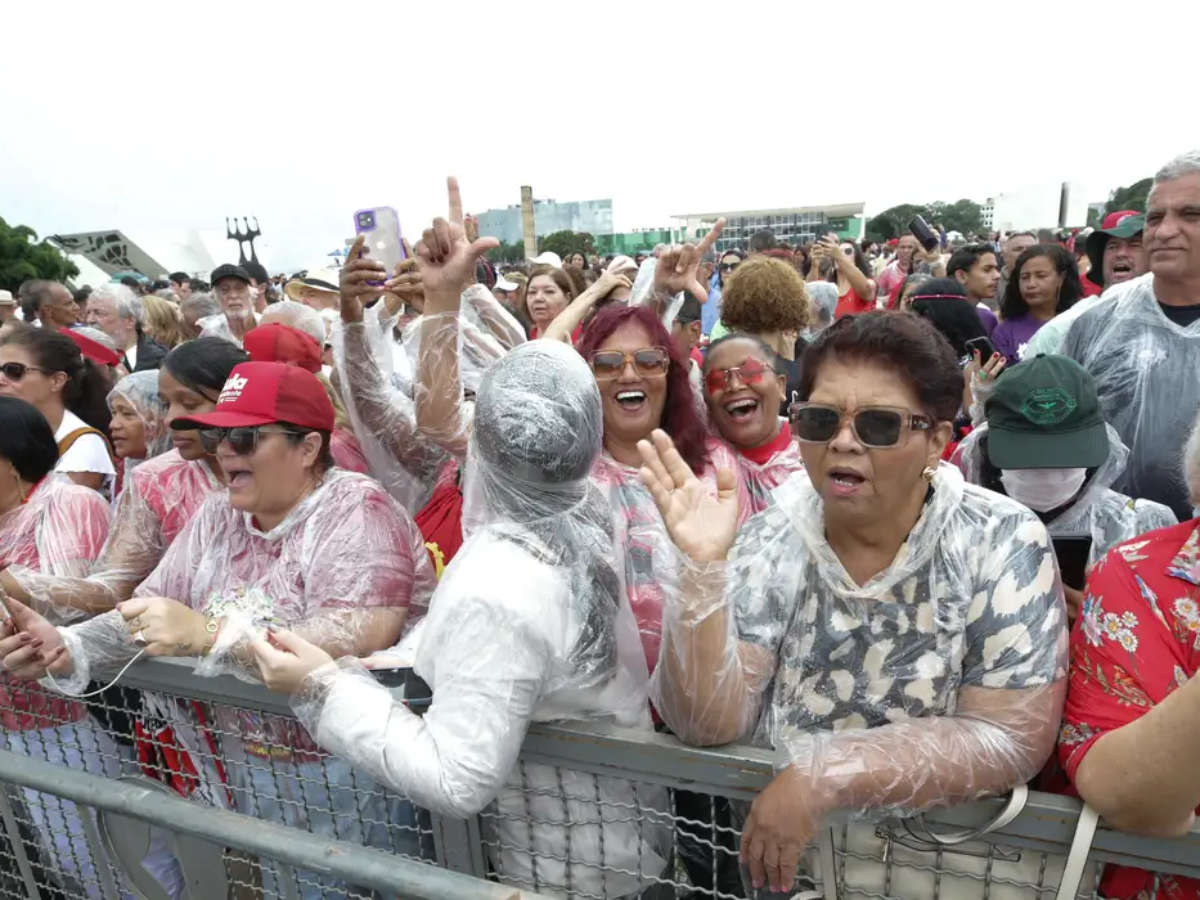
x: 644, y: 385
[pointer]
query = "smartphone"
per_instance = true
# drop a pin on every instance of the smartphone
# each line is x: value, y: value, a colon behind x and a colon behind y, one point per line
x: 926, y: 236
x: 984, y: 345
x: 1073, y: 554
x: 381, y: 225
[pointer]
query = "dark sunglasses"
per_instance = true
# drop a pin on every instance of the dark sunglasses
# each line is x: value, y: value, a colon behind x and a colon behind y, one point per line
x: 729, y: 267
x: 750, y: 372
x: 609, y: 364
x: 878, y: 427
x: 242, y: 441
x: 16, y: 371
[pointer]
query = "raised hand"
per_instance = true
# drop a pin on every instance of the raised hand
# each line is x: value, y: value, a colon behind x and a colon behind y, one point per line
x: 354, y: 283
x: 678, y: 266
x: 703, y: 528
x: 29, y: 645
x: 446, y: 257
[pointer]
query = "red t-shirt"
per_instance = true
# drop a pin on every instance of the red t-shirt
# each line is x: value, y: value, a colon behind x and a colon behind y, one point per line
x: 850, y: 304
x: 1090, y: 288
x: 760, y: 455
x: 1132, y: 647
x: 440, y: 520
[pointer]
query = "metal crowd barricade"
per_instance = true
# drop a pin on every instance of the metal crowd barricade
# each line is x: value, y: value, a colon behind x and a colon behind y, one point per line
x: 91, y: 807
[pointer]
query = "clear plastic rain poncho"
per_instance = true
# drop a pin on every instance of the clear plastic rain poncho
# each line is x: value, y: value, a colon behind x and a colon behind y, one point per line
x: 159, y: 498
x: 1099, y: 512
x: 528, y: 625
x: 760, y: 479
x: 345, y: 552
x: 939, y: 681
x: 377, y: 375
x: 218, y: 326
x: 1147, y: 373
x: 140, y: 390
x: 57, y: 532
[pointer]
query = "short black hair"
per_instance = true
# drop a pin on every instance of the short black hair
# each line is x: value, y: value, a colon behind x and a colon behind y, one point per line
x: 160, y: 284
x: 1013, y: 305
x: 737, y: 336
x: 81, y: 296
x: 762, y: 240
x: 130, y: 282
x: 906, y: 344
x: 957, y: 320
x: 690, y: 311
x: 199, y: 286
x: 257, y: 271
x: 179, y: 278
x: 27, y: 440
x: 964, y: 258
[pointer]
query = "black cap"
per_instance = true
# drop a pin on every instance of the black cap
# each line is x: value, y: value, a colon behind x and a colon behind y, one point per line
x: 257, y: 271
x: 229, y: 270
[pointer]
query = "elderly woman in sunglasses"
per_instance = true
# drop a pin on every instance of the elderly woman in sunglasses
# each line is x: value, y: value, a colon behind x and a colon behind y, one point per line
x: 896, y: 636
x: 293, y: 541
x: 158, y: 499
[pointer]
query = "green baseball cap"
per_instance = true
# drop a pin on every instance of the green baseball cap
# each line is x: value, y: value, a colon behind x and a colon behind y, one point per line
x: 1045, y: 414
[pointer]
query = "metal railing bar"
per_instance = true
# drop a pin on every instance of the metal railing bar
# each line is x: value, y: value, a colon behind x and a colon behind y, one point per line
x: 357, y: 865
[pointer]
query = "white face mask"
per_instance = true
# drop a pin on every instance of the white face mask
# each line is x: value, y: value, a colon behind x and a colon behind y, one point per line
x: 1043, y: 489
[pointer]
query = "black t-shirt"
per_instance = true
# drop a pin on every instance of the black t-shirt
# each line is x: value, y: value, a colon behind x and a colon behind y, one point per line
x: 1183, y: 316
x: 790, y: 370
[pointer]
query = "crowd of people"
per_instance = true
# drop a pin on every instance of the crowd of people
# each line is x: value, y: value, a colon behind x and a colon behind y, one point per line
x: 916, y: 517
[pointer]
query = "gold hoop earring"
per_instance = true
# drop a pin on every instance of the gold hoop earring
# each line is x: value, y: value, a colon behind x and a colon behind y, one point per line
x: 928, y: 472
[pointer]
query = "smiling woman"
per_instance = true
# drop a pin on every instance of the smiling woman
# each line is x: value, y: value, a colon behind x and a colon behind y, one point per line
x: 921, y: 617
x: 293, y: 543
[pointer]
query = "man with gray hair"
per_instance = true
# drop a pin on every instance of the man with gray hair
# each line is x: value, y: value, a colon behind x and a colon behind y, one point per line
x: 194, y: 307
x: 1141, y: 343
x: 117, y: 311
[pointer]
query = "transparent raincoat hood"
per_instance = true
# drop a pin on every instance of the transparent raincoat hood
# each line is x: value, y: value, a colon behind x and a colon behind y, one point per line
x: 528, y: 623
x: 1146, y: 369
x: 140, y: 390
x: 1105, y: 515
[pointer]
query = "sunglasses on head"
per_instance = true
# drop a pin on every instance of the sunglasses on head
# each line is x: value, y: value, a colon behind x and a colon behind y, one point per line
x: 15, y: 371
x: 878, y: 427
x: 751, y: 371
x: 609, y: 364
x: 243, y: 440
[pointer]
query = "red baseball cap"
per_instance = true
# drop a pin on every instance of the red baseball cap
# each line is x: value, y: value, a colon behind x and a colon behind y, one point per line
x: 93, y: 350
x: 260, y: 393
x: 1113, y: 219
x: 281, y: 343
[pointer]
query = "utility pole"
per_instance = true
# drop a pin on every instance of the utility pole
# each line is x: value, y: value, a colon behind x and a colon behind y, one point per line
x: 527, y: 224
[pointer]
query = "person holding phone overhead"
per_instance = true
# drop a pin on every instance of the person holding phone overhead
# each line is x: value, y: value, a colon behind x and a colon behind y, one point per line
x: 1046, y: 445
x: 843, y: 263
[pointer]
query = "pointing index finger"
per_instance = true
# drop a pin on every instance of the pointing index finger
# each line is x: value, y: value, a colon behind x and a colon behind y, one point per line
x: 456, y: 204
x: 711, y: 238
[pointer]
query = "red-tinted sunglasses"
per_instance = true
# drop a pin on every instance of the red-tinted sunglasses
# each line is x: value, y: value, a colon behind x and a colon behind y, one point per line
x: 751, y: 371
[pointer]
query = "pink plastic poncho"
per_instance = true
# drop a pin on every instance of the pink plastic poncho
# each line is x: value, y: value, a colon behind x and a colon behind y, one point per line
x: 58, y: 531
x: 160, y: 498
x: 650, y: 558
x: 345, y: 549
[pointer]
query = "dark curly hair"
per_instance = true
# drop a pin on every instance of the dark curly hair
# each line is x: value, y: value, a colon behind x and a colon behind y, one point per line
x: 1013, y: 305
x: 680, y: 419
x: 906, y: 344
x: 763, y: 296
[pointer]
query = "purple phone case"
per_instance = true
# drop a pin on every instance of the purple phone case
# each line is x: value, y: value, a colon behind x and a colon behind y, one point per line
x: 358, y: 229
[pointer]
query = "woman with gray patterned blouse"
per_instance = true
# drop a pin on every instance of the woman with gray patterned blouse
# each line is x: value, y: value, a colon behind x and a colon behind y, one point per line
x: 896, y: 635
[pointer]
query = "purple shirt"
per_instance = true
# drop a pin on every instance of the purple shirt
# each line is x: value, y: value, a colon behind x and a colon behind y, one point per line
x: 988, y: 318
x: 1012, y: 336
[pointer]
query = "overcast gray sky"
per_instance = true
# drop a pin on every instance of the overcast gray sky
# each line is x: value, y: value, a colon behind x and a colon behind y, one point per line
x: 301, y: 113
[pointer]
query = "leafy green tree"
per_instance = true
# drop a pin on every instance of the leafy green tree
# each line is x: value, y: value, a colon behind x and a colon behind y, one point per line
x: 1132, y: 197
x: 891, y: 223
x: 508, y: 253
x: 564, y: 243
x: 23, y: 256
x: 964, y: 216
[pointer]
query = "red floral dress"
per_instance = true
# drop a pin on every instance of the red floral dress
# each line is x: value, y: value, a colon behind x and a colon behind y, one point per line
x: 1136, y: 641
